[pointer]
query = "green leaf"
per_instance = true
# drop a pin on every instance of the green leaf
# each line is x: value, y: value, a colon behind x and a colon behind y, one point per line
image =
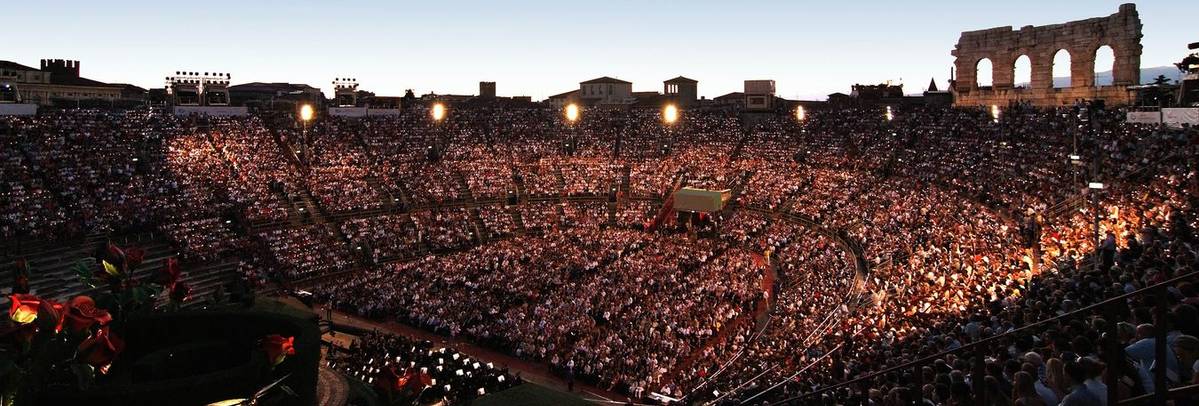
x: 85, y: 273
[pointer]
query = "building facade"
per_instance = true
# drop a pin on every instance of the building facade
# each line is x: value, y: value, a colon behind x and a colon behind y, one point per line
x: 1003, y: 47
x: 58, y: 81
x: 684, y: 91
x: 606, y: 90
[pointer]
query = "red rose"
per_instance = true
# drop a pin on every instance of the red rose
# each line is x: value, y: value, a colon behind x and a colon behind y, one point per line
x: 24, y: 307
x: 51, y: 315
x: 180, y: 292
x: 82, y: 314
x: 134, y: 257
x: 168, y: 275
x: 100, y: 349
x: 115, y: 253
x: 278, y: 347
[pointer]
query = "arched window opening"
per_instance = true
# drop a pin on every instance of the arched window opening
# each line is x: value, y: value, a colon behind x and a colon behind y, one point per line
x: 1061, y: 69
x: 983, y: 73
x: 1105, y: 64
x: 1022, y: 72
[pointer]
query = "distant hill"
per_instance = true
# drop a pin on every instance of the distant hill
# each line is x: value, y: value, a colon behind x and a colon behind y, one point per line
x: 1147, y: 76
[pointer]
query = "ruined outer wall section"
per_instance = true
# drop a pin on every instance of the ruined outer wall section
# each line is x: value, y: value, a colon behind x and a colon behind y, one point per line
x: 1120, y: 31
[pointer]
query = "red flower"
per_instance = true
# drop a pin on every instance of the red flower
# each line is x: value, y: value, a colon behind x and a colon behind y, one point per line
x: 168, y: 275
x: 51, y: 315
x: 101, y: 349
x: 24, y: 307
x: 115, y: 253
x: 134, y: 257
x: 82, y: 314
x: 180, y: 292
x: 278, y: 347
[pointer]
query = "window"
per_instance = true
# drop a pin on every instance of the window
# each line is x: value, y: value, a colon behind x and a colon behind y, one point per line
x: 1022, y: 72
x: 1061, y: 69
x: 983, y: 72
x: 1105, y: 66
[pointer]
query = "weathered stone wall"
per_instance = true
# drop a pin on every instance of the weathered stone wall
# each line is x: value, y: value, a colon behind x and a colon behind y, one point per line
x: 1003, y: 46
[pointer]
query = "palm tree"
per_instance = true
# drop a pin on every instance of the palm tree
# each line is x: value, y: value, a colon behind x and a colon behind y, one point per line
x: 1161, y: 92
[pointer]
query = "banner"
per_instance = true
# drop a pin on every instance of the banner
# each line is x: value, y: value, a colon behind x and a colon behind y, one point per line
x: 12, y: 109
x: 211, y: 110
x: 1143, y: 117
x: 1176, y: 117
x: 347, y: 111
x: 362, y: 112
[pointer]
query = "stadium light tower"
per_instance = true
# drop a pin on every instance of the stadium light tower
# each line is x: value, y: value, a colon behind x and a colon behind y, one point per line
x: 572, y: 116
x: 438, y: 112
x: 306, y: 114
x: 670, y: 114
x: 572, y: 113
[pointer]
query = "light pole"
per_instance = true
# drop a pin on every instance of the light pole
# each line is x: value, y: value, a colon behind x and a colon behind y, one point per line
x: 670, y: 114
x: 438, y: 113
x: 306, y: 114
x: 1096, y: 183
x: 572, y: 117
x: 1094, y: 189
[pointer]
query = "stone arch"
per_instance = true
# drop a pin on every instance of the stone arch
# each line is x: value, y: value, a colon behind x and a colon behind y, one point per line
x: 1104, y: 61
x: 1022, y: 71
x: 984, y: 73
x: 1061, y: 65
x: 1037, y: 47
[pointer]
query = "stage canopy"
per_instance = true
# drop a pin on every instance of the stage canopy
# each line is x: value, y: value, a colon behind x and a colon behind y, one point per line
x: 700, y: 200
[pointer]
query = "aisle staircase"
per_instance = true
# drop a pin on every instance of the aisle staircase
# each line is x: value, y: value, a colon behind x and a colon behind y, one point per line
x: 666, y: 213
x: 463, y: 186
x: 518, y: 220
x: 625, y: 174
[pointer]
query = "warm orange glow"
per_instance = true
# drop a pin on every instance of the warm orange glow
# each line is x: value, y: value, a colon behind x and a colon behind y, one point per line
x: 670, y: 114
x: 800, y: 114
x: 306, y: 112
x: 995, y: 113
x: 438, y: 111
x: 24, y: 315
x: 889, y: 115
x: 572, y: 112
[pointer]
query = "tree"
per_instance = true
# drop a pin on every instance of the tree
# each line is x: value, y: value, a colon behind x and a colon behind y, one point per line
x: 1161, y: 94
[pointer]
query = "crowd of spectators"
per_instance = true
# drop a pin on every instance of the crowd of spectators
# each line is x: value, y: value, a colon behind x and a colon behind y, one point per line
x: 966, y: 226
